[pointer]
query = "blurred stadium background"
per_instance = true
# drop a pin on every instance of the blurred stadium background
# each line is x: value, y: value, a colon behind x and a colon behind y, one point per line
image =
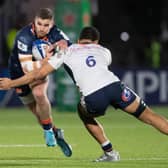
x: 135, y: 32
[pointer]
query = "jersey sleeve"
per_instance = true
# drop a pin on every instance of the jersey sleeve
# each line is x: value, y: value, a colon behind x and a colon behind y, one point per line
x: 108, y: 56
x: 56, y: 60
x: 24, y: 50
x: 24, y: 44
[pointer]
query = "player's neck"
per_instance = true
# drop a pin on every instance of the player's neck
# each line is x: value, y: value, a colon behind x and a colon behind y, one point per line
x: 86, y: 41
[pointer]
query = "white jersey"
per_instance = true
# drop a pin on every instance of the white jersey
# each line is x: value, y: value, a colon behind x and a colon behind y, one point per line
x: 89, y: 66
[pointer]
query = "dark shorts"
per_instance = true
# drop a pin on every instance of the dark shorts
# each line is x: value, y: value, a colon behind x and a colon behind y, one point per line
x: 116, y: 94
x: 23, y: 91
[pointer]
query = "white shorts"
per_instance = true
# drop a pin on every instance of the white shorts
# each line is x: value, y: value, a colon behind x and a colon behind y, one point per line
x: 27, y: 99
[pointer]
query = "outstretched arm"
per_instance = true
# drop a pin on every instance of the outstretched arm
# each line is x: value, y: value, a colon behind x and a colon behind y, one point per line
x: 44, y: 71
x: 6, y: 83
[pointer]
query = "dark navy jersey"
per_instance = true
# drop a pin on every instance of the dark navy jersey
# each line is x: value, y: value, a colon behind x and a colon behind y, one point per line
x: 23, y: 45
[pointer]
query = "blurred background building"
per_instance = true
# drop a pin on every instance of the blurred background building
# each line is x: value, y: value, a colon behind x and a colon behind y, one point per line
x: 135, y: 31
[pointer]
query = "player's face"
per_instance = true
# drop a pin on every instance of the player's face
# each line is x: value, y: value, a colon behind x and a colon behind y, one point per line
x: 42, y: 26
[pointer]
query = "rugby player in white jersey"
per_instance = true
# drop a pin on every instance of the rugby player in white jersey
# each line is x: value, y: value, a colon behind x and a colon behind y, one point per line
x: 87, y: 63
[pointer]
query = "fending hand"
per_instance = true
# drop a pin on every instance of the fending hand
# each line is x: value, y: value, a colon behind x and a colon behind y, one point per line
x: 62, y: 44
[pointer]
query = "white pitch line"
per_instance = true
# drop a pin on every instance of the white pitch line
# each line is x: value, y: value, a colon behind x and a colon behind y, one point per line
x: 43, y: 145
x: 21, y: 145
x: 23, y: 160
x: 141, y: 159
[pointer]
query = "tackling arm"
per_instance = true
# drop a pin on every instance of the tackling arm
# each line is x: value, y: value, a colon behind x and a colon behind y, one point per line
x: 44, y: 71
x: 6, y: 83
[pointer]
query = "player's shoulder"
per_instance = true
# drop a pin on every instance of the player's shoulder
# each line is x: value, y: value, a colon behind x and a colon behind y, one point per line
x: 99, y: 48
x: 57, y: 34
x: 24, y: 38
x: 104, y: 49
x: 54, y: 30
x: 88, y: 46
x: 74, y: 47
x: 25, y: 35
x: 107, y: 54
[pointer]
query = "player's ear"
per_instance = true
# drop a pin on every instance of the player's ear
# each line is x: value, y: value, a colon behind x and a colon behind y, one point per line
x: 51, y: 23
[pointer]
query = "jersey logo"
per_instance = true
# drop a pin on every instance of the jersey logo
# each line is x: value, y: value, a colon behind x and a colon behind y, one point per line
x: 126, y: 95
x: 22, y: 46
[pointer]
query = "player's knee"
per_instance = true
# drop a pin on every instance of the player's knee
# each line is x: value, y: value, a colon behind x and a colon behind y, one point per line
x: 38, y: 92
x: 40, y: 97
x: 83, y: 114
x: 140, y: 109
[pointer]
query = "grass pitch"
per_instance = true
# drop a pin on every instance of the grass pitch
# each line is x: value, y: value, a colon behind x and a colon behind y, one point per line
x: 22, y: 144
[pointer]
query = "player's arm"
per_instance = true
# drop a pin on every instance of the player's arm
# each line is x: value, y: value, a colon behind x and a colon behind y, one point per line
x: 47, y: 67
x: 44, y: 71
x: 24, y: 50
x: 6, y: 83
x: 62, y: 41
x: 52, y: 64
x: 27, y: 63
x: 59, y: 45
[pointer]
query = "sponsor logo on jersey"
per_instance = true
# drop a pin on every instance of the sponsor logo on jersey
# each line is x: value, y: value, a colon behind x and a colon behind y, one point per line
x: 22, y: 46
x: 126, y: 95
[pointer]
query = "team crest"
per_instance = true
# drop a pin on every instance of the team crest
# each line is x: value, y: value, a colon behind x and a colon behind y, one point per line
x: 126, y: 95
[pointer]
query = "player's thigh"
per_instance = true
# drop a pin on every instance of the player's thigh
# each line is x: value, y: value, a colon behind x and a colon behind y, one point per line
x: 131, y: 108
x: 97, y: 102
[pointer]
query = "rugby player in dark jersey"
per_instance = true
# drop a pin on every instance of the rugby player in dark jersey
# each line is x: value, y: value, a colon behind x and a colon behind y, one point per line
x: 34, y: 95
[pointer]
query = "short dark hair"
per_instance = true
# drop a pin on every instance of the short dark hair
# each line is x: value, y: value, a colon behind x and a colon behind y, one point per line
x: 90, y: 33
x: 45, y: 13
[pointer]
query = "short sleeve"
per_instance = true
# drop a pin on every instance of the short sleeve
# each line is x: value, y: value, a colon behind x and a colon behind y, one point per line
x: 24, y: 44
x: 56, y: 60
x: 108, y: 56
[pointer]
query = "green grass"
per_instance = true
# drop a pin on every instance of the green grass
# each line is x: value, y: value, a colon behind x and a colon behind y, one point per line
x: 22, y: 143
